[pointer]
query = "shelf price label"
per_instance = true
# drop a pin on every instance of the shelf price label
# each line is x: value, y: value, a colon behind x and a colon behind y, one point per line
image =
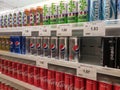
x: 96, y: 28
x: 42, y: 63
x: 26, y: 32
x: 86, y: 71
x: 64, y: 30
x: 44, y: 31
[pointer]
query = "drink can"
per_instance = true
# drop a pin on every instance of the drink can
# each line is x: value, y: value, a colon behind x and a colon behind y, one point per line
x: 91, y: 85
x: 27, y: 45
x: 39, y: 46
x: 74, y: 49
x: 105, y: 86
x: 7, y: 43
x: 51, y: 80
x: 10, y: 20
x: 33, y: 42
x: 43, y: 78
x: 19, y: 71
x: 54, y: 47
x: 79, y: 83
x: 15, y: 20
x: 46, y: 46
x: 10, y: 68
x: 59, y: 78
x: 37, y: 76
x: 69, y: 82
x: 63, y: 48
x: 25, y: 72
x: 5, y: 20
x: 30, y: 74
x: 3, y: 65
x: 116, y: 87
x: 12, y: 44
x: 14, y: 69
x: 20, y: 18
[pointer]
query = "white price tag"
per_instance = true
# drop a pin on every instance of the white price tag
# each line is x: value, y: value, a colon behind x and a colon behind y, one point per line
x: 45, y: 31
x: 96, y: 28
x: 64, y: 30
x: 42, y: 63
x: 26, y: 32
x: 86, y: 71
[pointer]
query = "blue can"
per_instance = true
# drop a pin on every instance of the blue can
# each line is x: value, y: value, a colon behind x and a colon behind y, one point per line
x: 95, y: 10
x: 109, y: 9
x: 18, y: 44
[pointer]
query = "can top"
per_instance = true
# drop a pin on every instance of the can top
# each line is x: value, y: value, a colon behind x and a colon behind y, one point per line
x: 26, y: 11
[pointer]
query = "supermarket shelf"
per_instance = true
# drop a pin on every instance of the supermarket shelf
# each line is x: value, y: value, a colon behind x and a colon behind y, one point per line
x: 26, y: 85
x: 21, y: 56
x: 79, y: 67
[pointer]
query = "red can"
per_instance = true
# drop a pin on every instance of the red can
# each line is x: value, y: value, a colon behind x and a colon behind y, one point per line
x: 19, y: 71
x: 105, y: 86
x: 79, y: 83
x: 5, y: 67
x: 3, y: 86
x: 9, y: 68
x: 59, y: 78
x: 69, y: 82
x: 14, y: 69
x: 51, y: 80
x: 10, y: 88
x: 2, y: 65
x: 116, y: 87
x: 91, y: 85
x: 0, y: 85
x: 37, y: 76
x: 6, y: 87
x: 30, y: 74
x: 43, y: 78
x: 25, y: 72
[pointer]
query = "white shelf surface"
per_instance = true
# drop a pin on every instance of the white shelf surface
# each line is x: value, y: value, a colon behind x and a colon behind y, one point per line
x: 21, y: 83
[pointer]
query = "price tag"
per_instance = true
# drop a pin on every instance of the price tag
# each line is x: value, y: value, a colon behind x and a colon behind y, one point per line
x: 45, y: 31
x: 96, y: 28
x: 86, y: 71
x: 64, y: 30
x: 26, y: 32
x: 42, y: 63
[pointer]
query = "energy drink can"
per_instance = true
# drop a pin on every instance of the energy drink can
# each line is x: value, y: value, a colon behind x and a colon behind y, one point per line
x: 46, y: 46
x: 59, y: 77
x: 32, y: 16
x: 10, y: 20
x: 91, y: 85
x: 72, y: 11
x: 74, y: 49
x: 109, y: 9
x: 20, y: 18
x: 5, y: 20
x: 46, y: 15
x: 39, y: 48
x: 79, y: 83
x: 15, y: 20
x: 95, y: 10
x: 105, y: 86
x: 54, y: 47
x: 51, y: 80
x: 63, y: 48
x: 33, y: 42
x: 53, y: 14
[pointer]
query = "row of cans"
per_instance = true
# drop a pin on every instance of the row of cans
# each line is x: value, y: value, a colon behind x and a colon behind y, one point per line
x: 50, y: 79
x: 4, y: 86
x: 102, y: 51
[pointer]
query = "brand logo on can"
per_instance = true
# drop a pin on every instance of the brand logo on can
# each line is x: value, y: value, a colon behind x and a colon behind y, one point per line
x: 52, y: 47
x: 76, y: 49
x: 17, y: 43
x: 32, y: 45
x: 62, y: 48
x: 45, y: 46
x: 38, y: 46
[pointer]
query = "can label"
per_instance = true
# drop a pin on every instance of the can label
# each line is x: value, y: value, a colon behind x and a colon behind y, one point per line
x: 59, y: 81
x: 37, y: 76
x: 46, y: 46
x: 19, y: 71
x: 74, y: 49
x: 32, y: 18
x: 25, y: 72
x: 54, y: 47
x: 30, y: 74
x: 33, y: 42
x: 10, y: 21
x: 19, y: 18
x: 63, y: 48
x: 14, y: 19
